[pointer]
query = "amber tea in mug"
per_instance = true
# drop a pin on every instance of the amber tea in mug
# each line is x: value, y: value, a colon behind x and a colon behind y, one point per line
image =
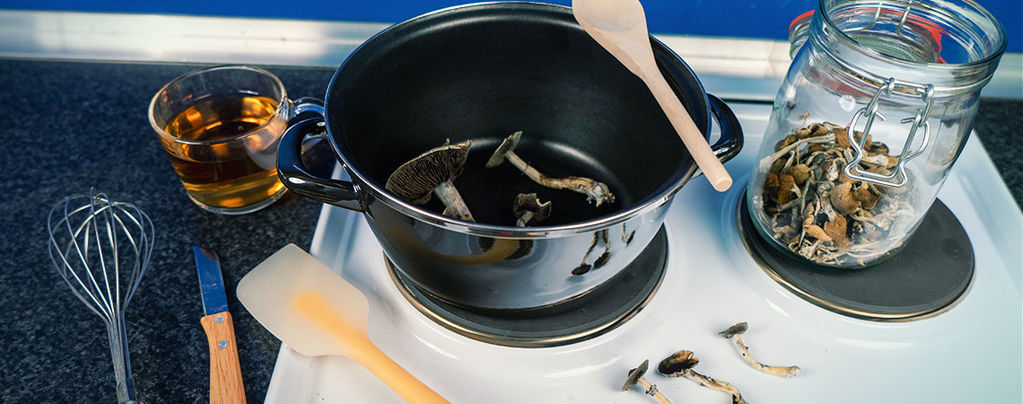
x: 220, y: 128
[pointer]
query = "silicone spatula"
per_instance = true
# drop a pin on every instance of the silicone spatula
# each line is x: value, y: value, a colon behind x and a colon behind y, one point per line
x: 316, y: 312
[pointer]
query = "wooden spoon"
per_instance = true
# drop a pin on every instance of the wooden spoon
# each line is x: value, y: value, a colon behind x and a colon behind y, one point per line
x: 316, y: 312
x: 620, y: 27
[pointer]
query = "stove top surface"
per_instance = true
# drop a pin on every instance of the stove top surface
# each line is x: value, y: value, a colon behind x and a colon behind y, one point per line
x: 928, y: 276
x: 969, y: 353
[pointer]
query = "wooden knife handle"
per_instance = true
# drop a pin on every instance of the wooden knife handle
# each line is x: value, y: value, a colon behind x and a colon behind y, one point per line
x: 225, y: 372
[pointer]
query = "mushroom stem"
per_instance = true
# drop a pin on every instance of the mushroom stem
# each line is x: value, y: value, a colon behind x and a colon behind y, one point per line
x: 595, y: 191
x: 734, y: 333
x: 715, y: 384
x: 627, y: 238
x: 526, y: 216
x: 603, y: 258
x: 454, y: 204
x: 766, y: 161
x: 651, y: 390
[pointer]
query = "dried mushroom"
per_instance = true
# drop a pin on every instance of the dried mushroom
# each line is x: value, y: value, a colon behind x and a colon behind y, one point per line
x: 627, y: 237
x: 842, y: 199
x: 734, y: 333
x: 596, y: 192
x: 606, y: 255
x: 582, y: 269
x: 811, y: 207
x: 601, y: 236
x: 636, y: 377
x: 433, y: 172
x: 681, y: 363
x: 528, y: 209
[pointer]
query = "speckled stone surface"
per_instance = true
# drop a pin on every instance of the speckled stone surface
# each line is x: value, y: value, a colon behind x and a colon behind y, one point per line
x: 999, y: 124
x: 68, y: 126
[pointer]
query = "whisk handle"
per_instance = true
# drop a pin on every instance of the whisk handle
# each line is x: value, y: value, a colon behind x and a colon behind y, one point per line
x: 225, y: 372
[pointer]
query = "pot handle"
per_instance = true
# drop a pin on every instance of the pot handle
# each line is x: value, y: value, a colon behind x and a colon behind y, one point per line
x: 730, y: 143
x: 294, y: 174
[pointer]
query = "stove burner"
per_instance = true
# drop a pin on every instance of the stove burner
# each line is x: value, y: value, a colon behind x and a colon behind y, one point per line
x: 931, y: 273
x: 582, y: 318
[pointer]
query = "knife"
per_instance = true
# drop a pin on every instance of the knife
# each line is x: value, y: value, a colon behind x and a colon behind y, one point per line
x: 225, y: 372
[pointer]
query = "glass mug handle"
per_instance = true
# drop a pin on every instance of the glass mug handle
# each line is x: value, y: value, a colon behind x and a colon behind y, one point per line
x: 307, y: 120
x: 304, y: 108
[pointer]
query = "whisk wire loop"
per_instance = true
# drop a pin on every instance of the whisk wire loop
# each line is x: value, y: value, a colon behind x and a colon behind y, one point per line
x: 94, y: 239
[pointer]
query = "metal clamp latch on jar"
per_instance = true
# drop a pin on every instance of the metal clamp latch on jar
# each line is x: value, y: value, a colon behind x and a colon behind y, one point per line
x: 897, y: 178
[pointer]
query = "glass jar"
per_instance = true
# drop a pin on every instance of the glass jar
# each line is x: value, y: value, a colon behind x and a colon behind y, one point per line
x: 876, y: 107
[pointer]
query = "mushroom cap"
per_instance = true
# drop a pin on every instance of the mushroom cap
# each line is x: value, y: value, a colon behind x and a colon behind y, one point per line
x: 635, y: 374
x: 581, y: 269
x: 677, y: 363
x: 506, y: 146
x: 737, y: 329
x: 415, y: 180
x: 531, y: 203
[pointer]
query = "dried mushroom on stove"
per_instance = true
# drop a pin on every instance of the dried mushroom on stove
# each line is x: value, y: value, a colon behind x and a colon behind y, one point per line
x: 812, y: 208
x: 733, y: 333
x: 636, y: 377
x: 596, y: 192
x: 433, y: 172
x: 681, y: 363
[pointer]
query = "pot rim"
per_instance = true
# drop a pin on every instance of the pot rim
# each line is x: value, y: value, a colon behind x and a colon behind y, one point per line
x: 364, y: 184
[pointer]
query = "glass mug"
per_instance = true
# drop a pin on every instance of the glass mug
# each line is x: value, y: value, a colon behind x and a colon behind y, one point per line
x: 221, y: 127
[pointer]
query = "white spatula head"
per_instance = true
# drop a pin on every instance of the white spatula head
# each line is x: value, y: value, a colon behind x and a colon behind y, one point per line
x: 268, y: 292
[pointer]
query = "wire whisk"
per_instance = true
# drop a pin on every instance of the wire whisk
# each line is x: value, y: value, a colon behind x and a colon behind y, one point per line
x: 101, y: 248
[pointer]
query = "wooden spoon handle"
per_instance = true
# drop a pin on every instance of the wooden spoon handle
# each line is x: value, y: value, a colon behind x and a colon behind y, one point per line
x: 226, y: 385
x: 687, y: 130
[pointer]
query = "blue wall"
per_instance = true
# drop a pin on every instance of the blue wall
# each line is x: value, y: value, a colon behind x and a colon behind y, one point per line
x: 750, y: 18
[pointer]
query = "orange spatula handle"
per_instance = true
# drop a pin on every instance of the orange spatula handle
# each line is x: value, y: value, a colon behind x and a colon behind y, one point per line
x: 358, y: 346
x: 225, y: 372
x: 393, y: 375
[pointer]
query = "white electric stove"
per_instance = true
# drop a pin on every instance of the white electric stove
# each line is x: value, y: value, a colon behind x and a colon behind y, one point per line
x: 968, y: 353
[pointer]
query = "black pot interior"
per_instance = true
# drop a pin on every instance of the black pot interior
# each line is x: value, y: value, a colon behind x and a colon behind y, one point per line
x: 484, y: 71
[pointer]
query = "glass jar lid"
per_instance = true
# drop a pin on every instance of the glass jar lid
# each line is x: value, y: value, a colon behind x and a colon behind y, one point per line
x: 954, y: 45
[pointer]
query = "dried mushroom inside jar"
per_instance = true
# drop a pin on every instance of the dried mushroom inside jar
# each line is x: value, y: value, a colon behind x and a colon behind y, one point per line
x: 817, y: 212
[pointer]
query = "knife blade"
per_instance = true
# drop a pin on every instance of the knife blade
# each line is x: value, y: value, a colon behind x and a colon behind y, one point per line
x: 211, y: 281
x: 225, y: 371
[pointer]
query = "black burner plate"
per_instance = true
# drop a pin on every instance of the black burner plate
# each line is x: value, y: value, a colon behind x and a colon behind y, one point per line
x: 932, y: 271
x: 585, y: 317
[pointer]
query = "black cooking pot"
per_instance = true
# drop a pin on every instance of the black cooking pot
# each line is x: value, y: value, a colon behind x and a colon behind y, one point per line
x: 480, y: 72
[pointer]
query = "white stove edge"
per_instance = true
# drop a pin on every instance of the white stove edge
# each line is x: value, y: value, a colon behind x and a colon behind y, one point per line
x: 979, y: 366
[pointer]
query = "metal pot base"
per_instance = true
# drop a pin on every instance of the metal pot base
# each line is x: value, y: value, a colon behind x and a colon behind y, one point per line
x: 606, y: 307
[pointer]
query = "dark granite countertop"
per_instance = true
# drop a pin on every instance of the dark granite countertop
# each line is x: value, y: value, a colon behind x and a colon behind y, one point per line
x: 73, y: 125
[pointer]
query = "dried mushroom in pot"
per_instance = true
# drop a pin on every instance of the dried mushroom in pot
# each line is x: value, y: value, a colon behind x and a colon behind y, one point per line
x: 433, y: 172
x: 596, y: 192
